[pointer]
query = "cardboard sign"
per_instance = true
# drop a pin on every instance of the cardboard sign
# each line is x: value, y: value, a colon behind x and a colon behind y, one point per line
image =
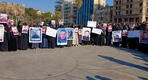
x: 91, y: 24
x: 51, y: 32
x: 97, y: 31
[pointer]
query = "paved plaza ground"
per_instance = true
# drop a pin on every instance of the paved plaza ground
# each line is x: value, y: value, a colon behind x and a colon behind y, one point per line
x: 74, y: 63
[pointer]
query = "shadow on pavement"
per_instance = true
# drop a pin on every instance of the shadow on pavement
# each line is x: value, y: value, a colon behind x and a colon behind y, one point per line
x: 124, y: 63
x: 138, y: 55
x: 143, y: 78
x: 97, y: 77
x: 102, y: 78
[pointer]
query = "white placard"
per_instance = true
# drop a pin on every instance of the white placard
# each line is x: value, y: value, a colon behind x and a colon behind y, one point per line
x: 51, y: 32
x: 91, y: 24
x: 1, y: 33
x: 97, y: 31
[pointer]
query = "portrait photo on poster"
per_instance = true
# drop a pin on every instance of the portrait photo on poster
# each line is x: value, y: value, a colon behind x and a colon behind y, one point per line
x: 35, y: 35
x: 86, y: 34
x: 62, y: 36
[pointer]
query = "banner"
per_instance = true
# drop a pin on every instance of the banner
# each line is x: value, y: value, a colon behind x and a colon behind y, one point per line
x: 116, y: 35
x: 35, y: 35
x: 91, y: 24
x: 143, y: 37
x: 97, y: 31
x: 1, y: 33
x: 86, y: 34
x: 124, y: 33
x: 15, y: 30
x: 25, y: 29
x: 134, y: 34
x: 3, y: 18
x: 51, y: 32
x: 70, y: 33
x: 61, y: 36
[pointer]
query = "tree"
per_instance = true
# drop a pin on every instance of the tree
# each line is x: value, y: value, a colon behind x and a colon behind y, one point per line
x: 57, y: 15
x: 79, y: 3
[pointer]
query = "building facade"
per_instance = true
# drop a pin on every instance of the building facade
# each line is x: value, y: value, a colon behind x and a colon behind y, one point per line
x: 89, y: 10
x: 68, y: 10
x: 130, y: 11
x: 85, y: 12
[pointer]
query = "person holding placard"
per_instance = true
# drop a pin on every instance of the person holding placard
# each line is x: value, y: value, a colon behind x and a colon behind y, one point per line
x: 44, y: 43
x: 4, y: 45
x: 13, y: 44
x: 23, y: 39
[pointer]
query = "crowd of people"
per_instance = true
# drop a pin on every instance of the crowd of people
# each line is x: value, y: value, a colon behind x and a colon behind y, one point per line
x: 21, y: 41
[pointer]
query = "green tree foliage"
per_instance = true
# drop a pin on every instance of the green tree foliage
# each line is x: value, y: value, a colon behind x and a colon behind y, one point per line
x: 57, y: 15
x: 79, y: 3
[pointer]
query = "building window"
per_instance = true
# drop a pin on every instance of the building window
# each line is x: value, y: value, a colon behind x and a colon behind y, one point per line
x: 116, y: 8
x: 147, y: 10
x: 140, y: 10
x: 127, y: 0
x: 131, y: 0
x: 130, y: 11
x: 119, y: 2
x: 120, y: 7
x: 116, y: 2
x: 131, y: 6
x: 127, y: 6
x: 140, y: 4
x: 116, y: 13
x: 119, y: 13
x: 126, y: 11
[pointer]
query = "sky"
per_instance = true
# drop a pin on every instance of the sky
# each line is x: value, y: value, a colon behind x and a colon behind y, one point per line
x: 43, y: 5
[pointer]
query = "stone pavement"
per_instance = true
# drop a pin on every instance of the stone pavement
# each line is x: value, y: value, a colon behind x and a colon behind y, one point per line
x: 74, y: 63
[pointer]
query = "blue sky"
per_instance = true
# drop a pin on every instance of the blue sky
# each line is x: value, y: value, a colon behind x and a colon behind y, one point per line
x: 43, y: 5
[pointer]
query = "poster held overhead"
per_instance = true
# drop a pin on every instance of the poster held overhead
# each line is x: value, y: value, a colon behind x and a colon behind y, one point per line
x: 3, y: 18
x: 91, y: 24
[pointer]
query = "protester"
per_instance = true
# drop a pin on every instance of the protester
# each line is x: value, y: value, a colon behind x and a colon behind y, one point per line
x: 4, y: 45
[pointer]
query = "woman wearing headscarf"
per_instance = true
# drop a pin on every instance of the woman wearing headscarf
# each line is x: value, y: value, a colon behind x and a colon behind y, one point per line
x: 23, y: 38
x: 13, y: 43
x: 4, y: 45
x: 44, y: 43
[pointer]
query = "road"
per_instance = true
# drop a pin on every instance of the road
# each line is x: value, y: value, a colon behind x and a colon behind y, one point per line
x: 74, y: 63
